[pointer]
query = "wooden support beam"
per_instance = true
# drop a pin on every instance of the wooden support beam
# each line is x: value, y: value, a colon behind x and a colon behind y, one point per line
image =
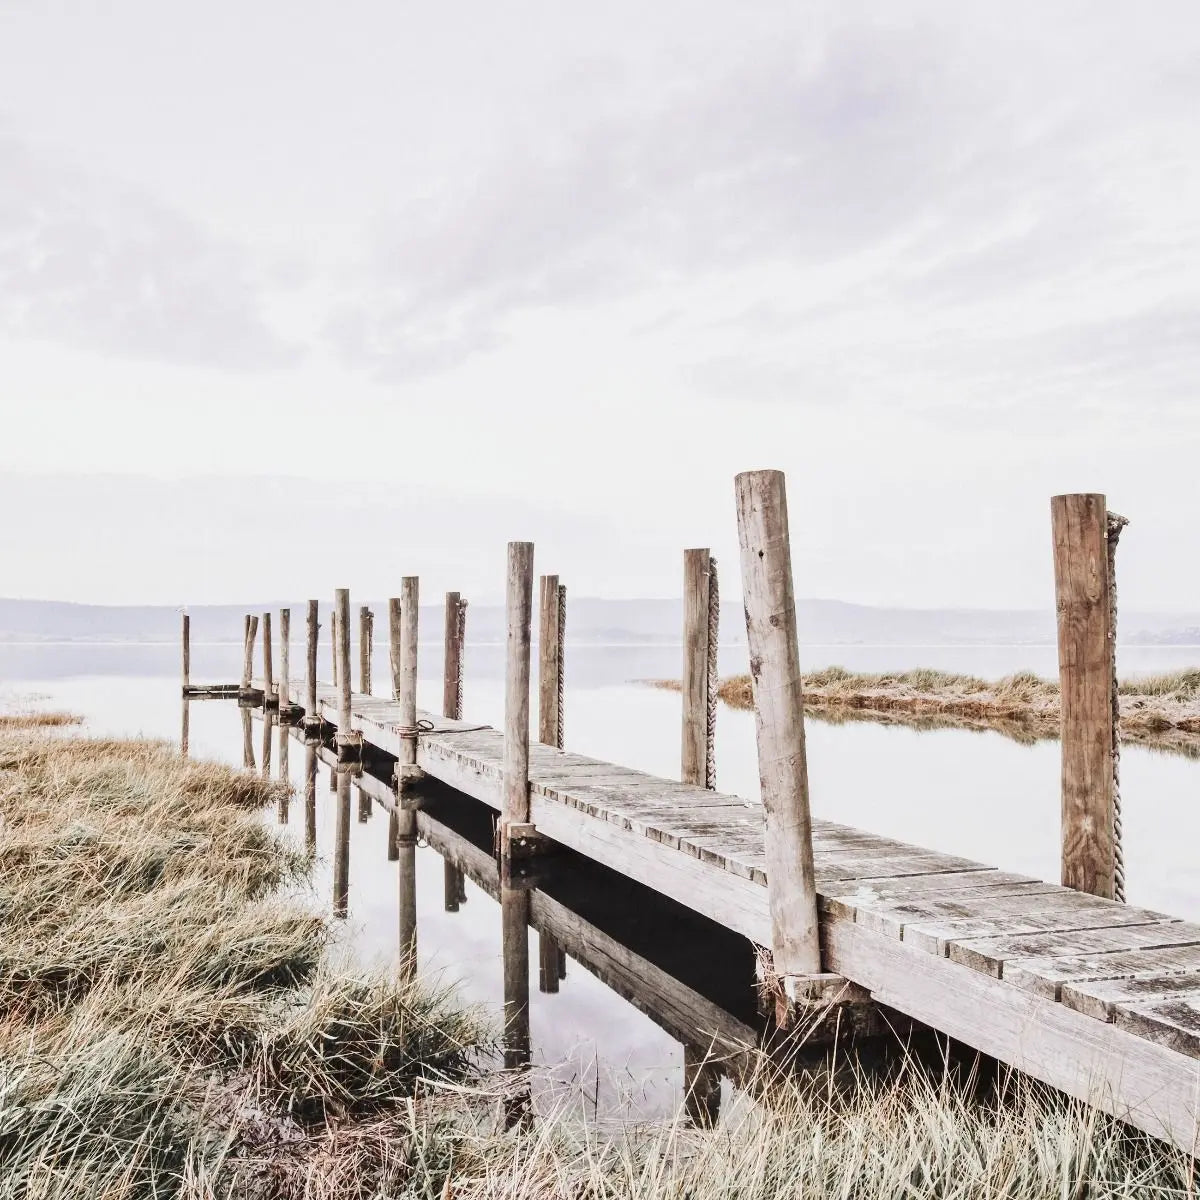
x: 366, y: 648
x: 456, y: 610
x: 187, y: 652
x: 548, y: 662
x: 407, y: 771
x: 694, y: 759
x: 515, y: 830
x: 779, y: 718
x: 1085, y: 668
x: 394, y: 616
x: 268, y: 667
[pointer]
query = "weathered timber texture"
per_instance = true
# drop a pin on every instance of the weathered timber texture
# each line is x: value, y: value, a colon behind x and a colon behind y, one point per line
x: 366, y: 648
x: 312, y: 629
x: 406, y: 845
x: 394, y: 614
x: 341, y: 843
x: 519, y: 606
x: 285, y: 656
x: 548, y: 661
x: 268, y: 655
x: 695, y: 666
x: 452, y: 661
x: 186, y: 634
x: 1085, y: 667
x: 514, y: 923
x: 406, y: 769
x: 779, y: 709
x: 251, y: 632
x: 341, y: 617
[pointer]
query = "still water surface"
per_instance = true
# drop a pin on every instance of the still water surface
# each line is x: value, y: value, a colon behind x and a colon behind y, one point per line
x: 975, y: 794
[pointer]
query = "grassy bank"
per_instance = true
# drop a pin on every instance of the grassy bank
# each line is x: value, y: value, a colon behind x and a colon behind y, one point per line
x: 168, y: 1024
x: 1160, y: 710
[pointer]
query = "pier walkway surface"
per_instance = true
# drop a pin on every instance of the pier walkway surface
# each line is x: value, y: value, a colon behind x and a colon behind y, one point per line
x: 1095, y: 997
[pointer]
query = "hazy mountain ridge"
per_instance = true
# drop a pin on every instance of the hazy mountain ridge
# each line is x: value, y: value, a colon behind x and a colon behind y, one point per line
x: 589, y: 620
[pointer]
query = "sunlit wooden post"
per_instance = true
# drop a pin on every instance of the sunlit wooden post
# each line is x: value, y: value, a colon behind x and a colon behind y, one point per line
x: 394, y: 612
x: 248, y: 652
x: 779, y: 708
x: 349, y: 741
x: 312, y: 630
x: 549, y: 663
x: 407, y: 771
x: 285, y: 657
x: 1085, y: 667
x: 268, y: 670
x: 514, y: 826
x: 187, y: 653
x: 694, y: 764
x: 452, y: 662
x: 366, y: 647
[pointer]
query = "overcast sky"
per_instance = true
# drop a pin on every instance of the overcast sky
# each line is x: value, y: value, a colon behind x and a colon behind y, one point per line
x: 302, y: 294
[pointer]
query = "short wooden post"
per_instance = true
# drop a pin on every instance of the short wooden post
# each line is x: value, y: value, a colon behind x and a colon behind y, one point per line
x: 310, y: 799
x: 349, y: 742
x: 312, y: 630
x: 779, y: 709
x: 694, y: 764
x: 341, y: 846
x: 248, y: 652
x: 407, y: 771
x: 548, y: 963
x: 1085, y: 668
x: 406, y: 842
x: 549, y: 663
x: 285, y: 654
x: 187, y: 653
x: 268, y: 670
x: 451, y: 886
x: 515, y: 830
x: 394, y: 644
x: 456, y: 609
x: 366, y: 647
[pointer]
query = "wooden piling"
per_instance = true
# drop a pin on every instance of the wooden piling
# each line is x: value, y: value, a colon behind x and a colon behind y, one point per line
x: 407, y: 771
x: 406, y: 842
x: 514, y: 924
x: 394, y: 613
x: 778, y: 700
x: 268, y: 670
x: 268, y: 726
x: 349, y: 742
x: 247, y: 740
x: 452, y: 661
x: 312, y: 630
x: 285, y: 654
x: 341, y: 846
x: 1085, y: 667
x: 251, y: 632
x: 549, y: 662
x: 515, y: 829
x: 187, y: 653
x: 366, y: 647
x: 285, y: 742
x: 310, y: 799
x: 333, y: 644
x: 185, y: 730
x: 694, y: 759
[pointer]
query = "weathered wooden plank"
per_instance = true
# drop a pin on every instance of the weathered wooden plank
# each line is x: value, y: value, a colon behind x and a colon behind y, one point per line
x: 1099, y: 998
x: 1173, y: 1023
x: 1046, y: 976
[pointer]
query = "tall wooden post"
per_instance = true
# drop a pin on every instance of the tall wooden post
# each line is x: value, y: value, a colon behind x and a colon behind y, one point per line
x: 394, y: 644
x: 514, y: 820
x: 1085, y: 669
x: 187, y: 652
x: 366, y: 647
x: 407, y: 772
x: 456, y: 608
x: 406, y: 843
x: 348, y: 741
x: 549, y: 663
x: 248, y: 652
x: 341, y: 845
x: 311, y: 631
x: 285, y: 656
x: 268, y: 671
x: 333, y: 645
x: 694, y: 765
x: 779, y: 709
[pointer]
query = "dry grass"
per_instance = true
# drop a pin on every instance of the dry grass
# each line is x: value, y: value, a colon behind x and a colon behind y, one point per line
x: 158, y: 1000
x: 37, y: 720
x: 1162, y: 711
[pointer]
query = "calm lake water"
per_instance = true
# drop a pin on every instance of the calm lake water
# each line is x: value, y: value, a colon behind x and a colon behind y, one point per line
x: 975, y: 794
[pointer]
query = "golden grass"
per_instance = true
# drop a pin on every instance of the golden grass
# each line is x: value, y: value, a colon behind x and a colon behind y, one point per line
x: 37, y: 720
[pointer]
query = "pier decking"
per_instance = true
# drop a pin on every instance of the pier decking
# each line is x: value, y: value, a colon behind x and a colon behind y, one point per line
x: 1095, y: 997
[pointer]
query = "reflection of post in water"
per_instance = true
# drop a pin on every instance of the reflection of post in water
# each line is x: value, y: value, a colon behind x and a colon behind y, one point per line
x: 268, y: 730
x: 514, y: 924
x: 364, y: 807
x: 247, y: 740
x: 341, y: 848
x: 454, y: 886
x: 333, y: 777
x: 406, y: 853
x: 310, y: 799
x: 549, y: 958
x: 701, y: 1086
x: 185, y: 728
x: 285, y: 742
x: 393, y: 848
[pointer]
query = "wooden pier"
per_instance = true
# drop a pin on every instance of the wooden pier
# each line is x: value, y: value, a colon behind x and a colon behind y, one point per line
x: 1077, y: 989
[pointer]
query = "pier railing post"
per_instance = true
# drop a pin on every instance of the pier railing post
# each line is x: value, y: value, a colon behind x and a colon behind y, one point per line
x: 779, y: 718
x: 349, y: 742
x: 311, y: 632
x: 407, y: 771
x: 452, y: 663
x: 187, y: 653
x: 366, y: 647
x: 394, y: 615
x: 550, y: 663
x: 251, y: 632
x: 1085, y: 666
x: 694, y: 759
x: 285, y: 657
x: 268, y: 670
x: 515, y: 829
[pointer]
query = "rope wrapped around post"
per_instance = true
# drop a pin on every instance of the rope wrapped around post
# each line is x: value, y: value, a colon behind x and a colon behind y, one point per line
x: 562, y: 639
x: 714, y: 621
x: 1116, y: 523
x: 461, y: 618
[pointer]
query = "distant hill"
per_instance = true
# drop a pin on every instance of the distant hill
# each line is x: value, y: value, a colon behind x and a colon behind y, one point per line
x: 590, y: 620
